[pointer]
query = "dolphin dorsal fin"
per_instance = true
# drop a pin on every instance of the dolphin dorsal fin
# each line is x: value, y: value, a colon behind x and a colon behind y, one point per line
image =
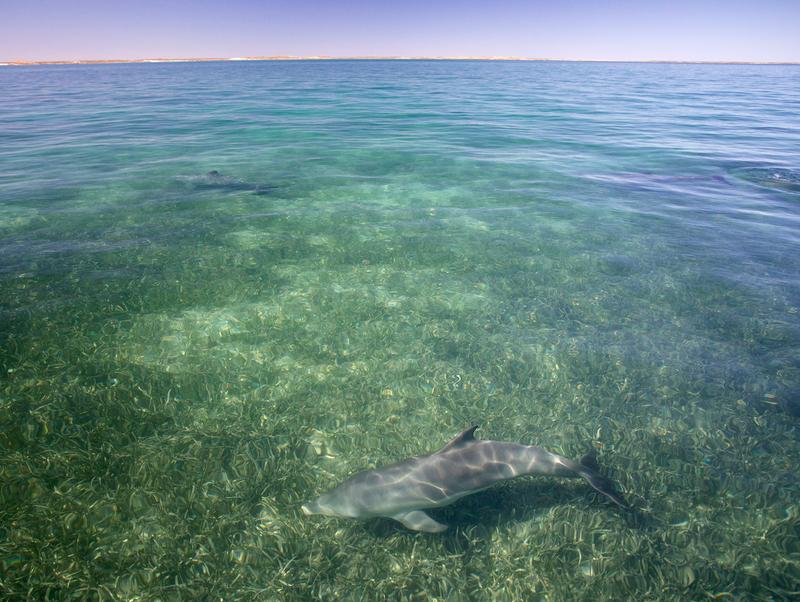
x: 462, y: 438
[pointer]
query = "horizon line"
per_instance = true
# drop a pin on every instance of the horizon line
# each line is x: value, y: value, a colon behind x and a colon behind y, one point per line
x: 23, y: 62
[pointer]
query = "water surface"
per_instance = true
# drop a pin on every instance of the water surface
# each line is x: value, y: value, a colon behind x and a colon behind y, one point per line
x: 226, y: 286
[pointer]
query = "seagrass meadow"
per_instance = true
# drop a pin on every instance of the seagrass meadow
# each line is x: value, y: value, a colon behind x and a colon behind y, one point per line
x: 225, y: 287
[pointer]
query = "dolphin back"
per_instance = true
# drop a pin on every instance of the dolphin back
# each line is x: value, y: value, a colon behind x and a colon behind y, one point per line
x: 501, y: 461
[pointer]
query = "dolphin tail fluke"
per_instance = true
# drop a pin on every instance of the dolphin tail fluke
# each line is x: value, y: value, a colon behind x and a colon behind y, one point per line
x: 589, y: 470
x: 417, y: 520
x: 590, y: 460
x: 606, y: 487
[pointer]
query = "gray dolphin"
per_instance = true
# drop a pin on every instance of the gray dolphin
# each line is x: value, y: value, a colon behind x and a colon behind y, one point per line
x: 462, y: 467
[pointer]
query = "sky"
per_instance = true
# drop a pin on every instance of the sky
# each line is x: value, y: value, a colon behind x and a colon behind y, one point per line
x: 680, y: 30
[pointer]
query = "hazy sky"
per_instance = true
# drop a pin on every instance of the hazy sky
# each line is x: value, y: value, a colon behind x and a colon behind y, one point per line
x: 721, y: 30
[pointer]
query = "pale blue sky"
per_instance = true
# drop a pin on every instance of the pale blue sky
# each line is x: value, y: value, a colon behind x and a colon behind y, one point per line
x: 701, y: 30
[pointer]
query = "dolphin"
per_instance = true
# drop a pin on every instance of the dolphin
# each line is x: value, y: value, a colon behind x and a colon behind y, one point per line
x: 464, y: 466
x: 214, y: 180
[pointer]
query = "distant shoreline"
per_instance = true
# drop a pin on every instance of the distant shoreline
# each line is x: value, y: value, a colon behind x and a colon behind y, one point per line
x: 23, y: 63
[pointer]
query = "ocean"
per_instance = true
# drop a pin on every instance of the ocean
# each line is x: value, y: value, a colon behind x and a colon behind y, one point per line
x: 226, y: 286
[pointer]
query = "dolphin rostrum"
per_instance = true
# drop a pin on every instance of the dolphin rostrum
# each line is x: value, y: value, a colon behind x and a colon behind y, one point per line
x: 462, y: 467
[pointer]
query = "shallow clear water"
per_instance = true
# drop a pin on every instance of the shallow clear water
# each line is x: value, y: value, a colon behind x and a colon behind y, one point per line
x: 226, y: 286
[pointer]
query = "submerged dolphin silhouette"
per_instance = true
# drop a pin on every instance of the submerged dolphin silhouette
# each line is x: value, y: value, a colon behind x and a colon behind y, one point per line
x: 462, y: 467
x: 214, y: 180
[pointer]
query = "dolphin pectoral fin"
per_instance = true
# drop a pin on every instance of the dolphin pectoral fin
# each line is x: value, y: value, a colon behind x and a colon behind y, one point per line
x: 417, y: 520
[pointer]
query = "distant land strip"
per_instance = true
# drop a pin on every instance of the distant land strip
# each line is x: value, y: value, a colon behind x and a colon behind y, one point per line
x: 13, y: 63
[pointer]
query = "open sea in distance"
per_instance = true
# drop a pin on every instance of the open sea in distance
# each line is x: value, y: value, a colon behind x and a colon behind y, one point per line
x: 225, y: 287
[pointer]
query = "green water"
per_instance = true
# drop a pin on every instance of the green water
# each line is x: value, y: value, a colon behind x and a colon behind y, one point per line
x: 226, y: 287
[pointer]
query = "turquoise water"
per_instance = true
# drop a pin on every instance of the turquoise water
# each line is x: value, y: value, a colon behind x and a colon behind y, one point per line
x: 224, y: 287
